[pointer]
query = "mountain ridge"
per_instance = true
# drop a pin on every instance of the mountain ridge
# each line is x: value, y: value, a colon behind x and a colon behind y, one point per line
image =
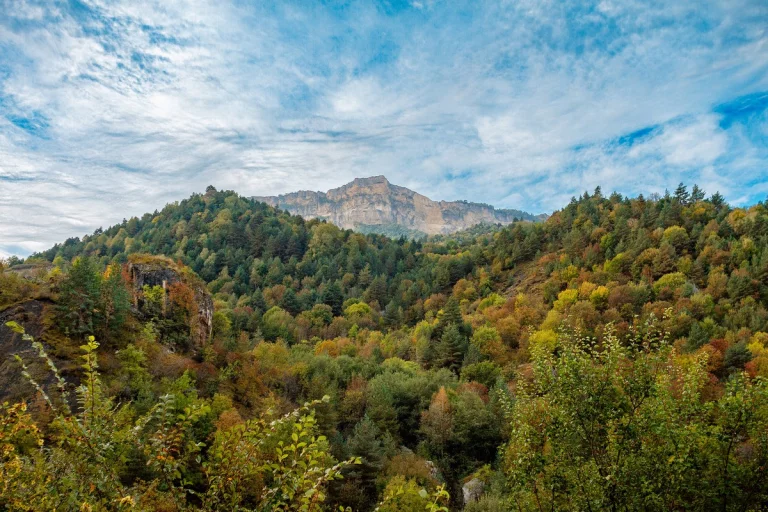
x: 374, y: 204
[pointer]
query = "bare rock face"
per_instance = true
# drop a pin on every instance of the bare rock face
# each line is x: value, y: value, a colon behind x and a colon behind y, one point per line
x: 472, y: 490
x: 370, y: 202
x: 182, y: 289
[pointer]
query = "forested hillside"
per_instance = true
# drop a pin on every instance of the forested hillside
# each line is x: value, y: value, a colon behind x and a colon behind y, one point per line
x: 610, y: 357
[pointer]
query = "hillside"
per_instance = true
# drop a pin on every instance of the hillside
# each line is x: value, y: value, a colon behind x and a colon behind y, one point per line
x: 620, y: 340
x: 373, y: 205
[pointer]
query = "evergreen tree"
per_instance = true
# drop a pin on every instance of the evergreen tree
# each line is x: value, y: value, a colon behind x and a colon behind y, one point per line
x: 367, y: 443
x: 115, y: 302
x: 450, y: 349
x: 717, y: 199
x: 290, y: 302
x: 332, y: 296
x: 80, y: 298
x: 681, y: 194
x: 377, y: 292
x: 451, y: 313
x: 697, y: 194
x: 393, y: 315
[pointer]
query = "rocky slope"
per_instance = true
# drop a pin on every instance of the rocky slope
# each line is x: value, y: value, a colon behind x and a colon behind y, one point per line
x: 375, y: 205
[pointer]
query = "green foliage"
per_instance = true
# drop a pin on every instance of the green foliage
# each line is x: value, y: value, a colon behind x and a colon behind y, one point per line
x: 484, y: 372
x: 262, y: 464
x: 403, y: 495
x: 80, y: 297
x: 450, y: 349
x: 619, y: 428
x: 371, y: 447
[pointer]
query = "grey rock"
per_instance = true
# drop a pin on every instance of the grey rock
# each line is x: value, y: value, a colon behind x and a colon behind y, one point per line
x: 369, y: 202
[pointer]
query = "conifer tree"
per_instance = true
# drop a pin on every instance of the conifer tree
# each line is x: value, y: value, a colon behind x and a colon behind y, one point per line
x: 366, y: 443
x: 681, y: 194
x: 450, y: 349
x: 333, y: 297
x: 290, y: 302
x: 115, y: 301
x: 79, y: 298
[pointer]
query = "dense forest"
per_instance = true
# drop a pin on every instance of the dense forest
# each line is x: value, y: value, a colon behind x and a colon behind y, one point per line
x: 224, y: 355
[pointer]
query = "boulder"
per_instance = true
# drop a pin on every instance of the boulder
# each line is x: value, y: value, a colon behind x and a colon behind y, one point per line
x: 472, y: 490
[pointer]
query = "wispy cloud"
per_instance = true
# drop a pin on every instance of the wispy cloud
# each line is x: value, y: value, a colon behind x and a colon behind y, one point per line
x: 112, y: 109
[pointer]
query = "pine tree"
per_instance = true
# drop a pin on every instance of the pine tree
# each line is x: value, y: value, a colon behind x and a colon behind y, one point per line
x: 115, y: 301
x: 367, y: 443
x: 333, y: 297
x: 697, y: 194
x: 80, y: 297
x: 364, y: 278
x: 377, y: 292
x: 450, y: 349
x: 451, y: 313
x: 681, y: 194
x: 393, y: 315
x: 290, y: 302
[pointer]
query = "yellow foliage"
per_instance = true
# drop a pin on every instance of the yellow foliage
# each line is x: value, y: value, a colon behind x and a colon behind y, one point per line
x: 328, y: 347
x: 566, y: 298
x: 543, y: 340
x: 552, y: 321
x: 586, y: 289
x: 599, y: 297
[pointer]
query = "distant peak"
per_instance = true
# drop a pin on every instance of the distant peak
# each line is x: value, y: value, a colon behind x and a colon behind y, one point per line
x: 375, y: 203
x: 373, y: 180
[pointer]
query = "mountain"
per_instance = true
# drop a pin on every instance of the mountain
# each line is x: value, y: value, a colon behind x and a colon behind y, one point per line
x: 374, y: 205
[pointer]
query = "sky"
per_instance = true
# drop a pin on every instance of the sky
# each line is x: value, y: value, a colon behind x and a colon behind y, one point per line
x: 111, y: 109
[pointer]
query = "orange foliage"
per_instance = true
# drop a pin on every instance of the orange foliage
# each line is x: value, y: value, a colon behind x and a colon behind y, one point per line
x: 328, y: 347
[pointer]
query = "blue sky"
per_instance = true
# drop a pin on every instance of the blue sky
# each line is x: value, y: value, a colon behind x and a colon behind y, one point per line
x: 111, y: 109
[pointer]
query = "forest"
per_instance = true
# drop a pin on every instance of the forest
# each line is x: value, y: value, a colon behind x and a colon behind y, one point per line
x: 221, y: 354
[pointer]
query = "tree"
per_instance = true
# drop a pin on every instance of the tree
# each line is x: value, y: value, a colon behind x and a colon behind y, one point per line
x: 450, y: 349
x: 393, y: 315
x: 333, y: 297
x: 278, y: 323
x: 80, y: 298
x: 681, y: 194
x: 594, y: 423
x: 377, y: 292
x: 697, y: 194
x: 368, y: 445
x: 115, y: 301
x: 451, y: 313
x: 290, y: 302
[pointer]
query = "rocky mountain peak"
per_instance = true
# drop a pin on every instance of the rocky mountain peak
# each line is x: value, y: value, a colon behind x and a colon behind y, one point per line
x: 373, y: 204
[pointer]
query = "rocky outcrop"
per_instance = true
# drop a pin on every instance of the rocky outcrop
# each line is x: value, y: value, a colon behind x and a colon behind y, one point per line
x: 182, y: 289
x: 375, y: 201
x: 472, y: 490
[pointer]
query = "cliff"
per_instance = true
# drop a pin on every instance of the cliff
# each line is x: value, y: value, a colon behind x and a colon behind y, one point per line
x: 375, y: 205
x: 182, y: 290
